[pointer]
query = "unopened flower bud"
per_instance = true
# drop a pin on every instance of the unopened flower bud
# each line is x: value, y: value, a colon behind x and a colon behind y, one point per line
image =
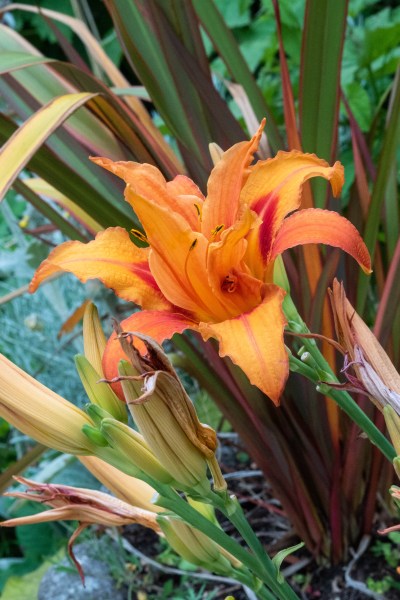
x: 130, y: 489
x: 392, y: 421
x: 99, y: 392
x: 95, y: 436
x: 165, y: 429
x: 195, y: 547
x: 133, y: 446
x: 216, y: 152
x: 90, y: 367
x: 166, y: 416
x: 40, y: 413
x: 94, y: 340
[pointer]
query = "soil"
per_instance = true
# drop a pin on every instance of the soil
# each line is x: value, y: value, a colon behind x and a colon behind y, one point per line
x: 310, y: 581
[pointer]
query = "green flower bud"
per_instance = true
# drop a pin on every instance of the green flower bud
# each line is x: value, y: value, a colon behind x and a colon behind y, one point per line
x: 99, y: 392
x: 134, y: 447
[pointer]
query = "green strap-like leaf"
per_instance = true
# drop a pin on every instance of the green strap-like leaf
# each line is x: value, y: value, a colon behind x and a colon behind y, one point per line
x: 226, y: 45
x: 386, y: 161
x: 47, y: 165
x: 324, y: 29
x: 11, y: 61
x: 30, y: 136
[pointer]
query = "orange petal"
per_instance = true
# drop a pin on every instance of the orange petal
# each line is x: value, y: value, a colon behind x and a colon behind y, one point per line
x: 183, y: 186
x: 112, y: 258
x: 226, y: 274
x: 178, y: 260
x: 160, y: 325
x: 148, y: 182
x: 317, y: 226
x: 273, y: 190
x: 225, y: 184
x: 254, y: 342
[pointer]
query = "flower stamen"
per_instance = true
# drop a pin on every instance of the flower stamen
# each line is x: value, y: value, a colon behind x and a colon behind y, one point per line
x: 229, y: 283
x: 215, y: 232
x: 139, y: 235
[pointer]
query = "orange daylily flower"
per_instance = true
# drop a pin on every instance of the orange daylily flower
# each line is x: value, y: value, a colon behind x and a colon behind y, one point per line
x: 209, y: 264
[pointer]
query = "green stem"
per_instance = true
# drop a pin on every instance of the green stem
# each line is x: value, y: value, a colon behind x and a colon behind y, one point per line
x: 249, y: 581
x: 232, y: 509
x: 322, y: 372
x: 267, y: 574
x: 260, y: 567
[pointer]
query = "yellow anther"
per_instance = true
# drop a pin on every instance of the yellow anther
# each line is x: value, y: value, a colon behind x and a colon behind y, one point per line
x: 139, y: 235
x: 192, y: 245
x: 198, y: 210
x: 216, y: 231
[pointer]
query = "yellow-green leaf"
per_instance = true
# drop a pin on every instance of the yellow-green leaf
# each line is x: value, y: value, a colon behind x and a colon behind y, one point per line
x: 17, y: 151
x: 43, y: 188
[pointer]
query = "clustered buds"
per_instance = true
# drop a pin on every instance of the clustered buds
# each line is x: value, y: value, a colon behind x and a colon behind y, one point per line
x: 133, y: 445
x: 166, y: 416
x: 172, y: 448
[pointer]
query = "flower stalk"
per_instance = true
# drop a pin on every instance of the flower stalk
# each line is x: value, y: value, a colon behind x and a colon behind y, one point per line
x: 322, y: 374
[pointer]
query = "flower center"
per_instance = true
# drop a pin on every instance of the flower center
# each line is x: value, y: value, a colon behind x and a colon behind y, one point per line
x: 229, y: 283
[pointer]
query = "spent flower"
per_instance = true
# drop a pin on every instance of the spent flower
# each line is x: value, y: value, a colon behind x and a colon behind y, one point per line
x: 78, y: 504
x: 375, y: 373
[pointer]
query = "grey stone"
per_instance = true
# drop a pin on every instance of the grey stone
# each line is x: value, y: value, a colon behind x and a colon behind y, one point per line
x: 63, y: 584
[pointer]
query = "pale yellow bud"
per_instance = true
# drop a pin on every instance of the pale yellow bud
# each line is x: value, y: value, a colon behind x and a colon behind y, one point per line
x: 130, y: 489
x: 216, y: 152
x: 40, y: 413
x: 392, y: 421
x: 90, y: 368
x: 94, y: 340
